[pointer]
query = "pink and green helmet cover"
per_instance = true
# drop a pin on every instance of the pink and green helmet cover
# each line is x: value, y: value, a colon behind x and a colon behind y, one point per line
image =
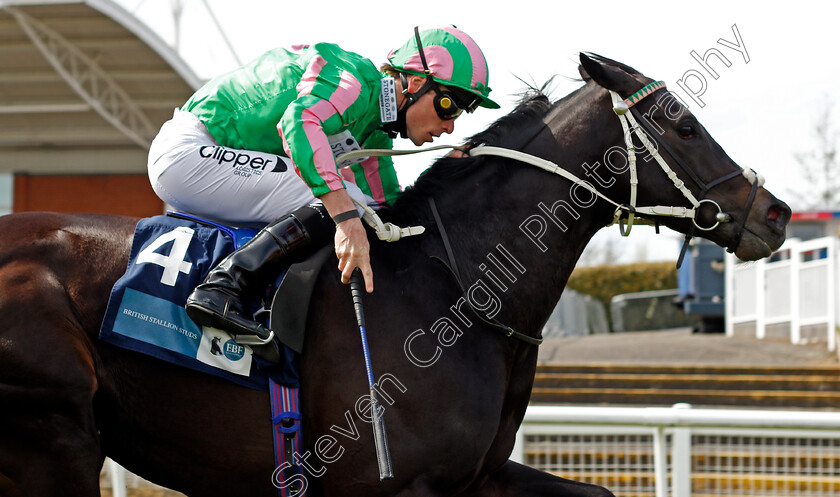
x: 454, y: 59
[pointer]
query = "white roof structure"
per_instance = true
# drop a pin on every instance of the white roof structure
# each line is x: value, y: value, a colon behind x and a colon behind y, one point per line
x: 84, y: 87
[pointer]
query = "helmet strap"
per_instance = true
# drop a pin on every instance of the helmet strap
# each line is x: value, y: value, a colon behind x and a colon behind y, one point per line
x: 397, y: 127
x: 400, y: 125
x: 426, y: 69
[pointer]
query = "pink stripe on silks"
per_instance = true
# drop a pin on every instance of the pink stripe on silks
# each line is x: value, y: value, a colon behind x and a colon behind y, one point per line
x: 288, y: 151
x: 310, y: 76
x: 374, y: 181
x: 348, y: 91
x: 348, y: 175
x: 439, y: 60
x: 322, y: 154
x: 349, y: 88
x: 322, y: 110
x: 479, y: 72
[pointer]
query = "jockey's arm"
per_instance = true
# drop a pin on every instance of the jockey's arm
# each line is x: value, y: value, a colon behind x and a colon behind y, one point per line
x: 351, y: 243
x: 304, y: 127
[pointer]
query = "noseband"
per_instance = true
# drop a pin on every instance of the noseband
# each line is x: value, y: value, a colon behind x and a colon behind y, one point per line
x: 625, y: 214
x: 628, y: 214
x: 631, y: 124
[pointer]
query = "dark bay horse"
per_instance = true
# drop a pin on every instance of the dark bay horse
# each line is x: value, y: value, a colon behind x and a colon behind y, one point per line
x: 454, y: 388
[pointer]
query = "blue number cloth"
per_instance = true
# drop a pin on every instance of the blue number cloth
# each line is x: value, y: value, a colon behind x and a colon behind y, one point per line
x: 169, y: 257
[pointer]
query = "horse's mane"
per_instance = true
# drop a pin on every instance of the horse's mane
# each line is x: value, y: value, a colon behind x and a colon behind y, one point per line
x: 510, y: 131
x: 534, y: 105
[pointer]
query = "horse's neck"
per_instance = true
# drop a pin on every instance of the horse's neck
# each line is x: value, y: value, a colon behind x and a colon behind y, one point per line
x: 522, y: 270
x: 523, y: 243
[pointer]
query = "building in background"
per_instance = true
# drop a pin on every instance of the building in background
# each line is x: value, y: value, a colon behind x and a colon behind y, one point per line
x: 813, y: 224
x: 84, y: 87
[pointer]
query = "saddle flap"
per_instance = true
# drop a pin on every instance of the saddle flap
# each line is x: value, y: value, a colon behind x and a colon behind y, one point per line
x: 290, y: 304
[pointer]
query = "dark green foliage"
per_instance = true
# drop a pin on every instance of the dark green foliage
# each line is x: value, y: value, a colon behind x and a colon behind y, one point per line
x: 605, y: 282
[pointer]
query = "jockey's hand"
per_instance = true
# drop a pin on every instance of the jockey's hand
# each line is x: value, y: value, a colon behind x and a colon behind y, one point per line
x: 353, y: 251
x: 351, y: 242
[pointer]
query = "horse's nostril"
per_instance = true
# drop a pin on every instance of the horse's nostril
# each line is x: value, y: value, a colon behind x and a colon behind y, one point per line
x: 778, y: 215
x: 774, y: 213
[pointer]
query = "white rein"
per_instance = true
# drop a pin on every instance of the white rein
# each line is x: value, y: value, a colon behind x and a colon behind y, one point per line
x: 390, y: 232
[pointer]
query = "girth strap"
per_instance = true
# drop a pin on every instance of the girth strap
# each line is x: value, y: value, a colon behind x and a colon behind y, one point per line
x: 452, y: 269
x: 446, y: 245
x: 288, y: 442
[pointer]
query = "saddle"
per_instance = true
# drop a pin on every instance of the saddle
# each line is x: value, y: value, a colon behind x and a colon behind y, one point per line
x: 292, y: 289
x: 172, y: 254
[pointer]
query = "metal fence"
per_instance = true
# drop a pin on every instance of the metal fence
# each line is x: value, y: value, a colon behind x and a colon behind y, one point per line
x: 576, y: 314
x: 675, y: 452
x: 645, y: 311
x: 682, y: 452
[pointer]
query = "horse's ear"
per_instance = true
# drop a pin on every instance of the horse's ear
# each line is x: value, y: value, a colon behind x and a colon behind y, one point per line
x: 583, y: 74
x: 610, y: 74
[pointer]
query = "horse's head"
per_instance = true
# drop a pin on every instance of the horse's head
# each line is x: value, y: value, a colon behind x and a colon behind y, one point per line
x: 732, y: 208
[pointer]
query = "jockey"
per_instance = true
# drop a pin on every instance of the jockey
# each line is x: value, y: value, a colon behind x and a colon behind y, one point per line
x: 258, y: 144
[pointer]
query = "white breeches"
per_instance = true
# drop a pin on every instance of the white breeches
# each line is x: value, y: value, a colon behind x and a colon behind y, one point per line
x: 191, y: 172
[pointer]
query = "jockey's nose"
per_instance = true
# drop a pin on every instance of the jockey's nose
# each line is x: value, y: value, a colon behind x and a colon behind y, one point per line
x: 449, y: 126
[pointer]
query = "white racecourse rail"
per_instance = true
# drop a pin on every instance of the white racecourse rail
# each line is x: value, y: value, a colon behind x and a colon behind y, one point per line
x: 638, y: 450
x: 792, y: 293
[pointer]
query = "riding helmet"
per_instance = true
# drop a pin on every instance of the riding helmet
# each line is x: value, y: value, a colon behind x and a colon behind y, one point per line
x: 452, y: 58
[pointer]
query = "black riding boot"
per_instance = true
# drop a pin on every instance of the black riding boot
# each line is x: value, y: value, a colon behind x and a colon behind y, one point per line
x: 239, y: 277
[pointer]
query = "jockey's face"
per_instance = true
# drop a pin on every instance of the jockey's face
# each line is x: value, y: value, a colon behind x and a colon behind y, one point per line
x: 422, y: 121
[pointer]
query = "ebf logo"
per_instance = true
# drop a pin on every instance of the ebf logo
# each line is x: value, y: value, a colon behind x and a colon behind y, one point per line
x: 233, y: 351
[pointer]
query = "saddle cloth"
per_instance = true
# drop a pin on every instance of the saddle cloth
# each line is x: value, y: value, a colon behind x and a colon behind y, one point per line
x: 169, y: 257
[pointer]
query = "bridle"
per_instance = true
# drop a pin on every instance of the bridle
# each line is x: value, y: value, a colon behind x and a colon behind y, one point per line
x: 630, y: 123
x: 626, y: 214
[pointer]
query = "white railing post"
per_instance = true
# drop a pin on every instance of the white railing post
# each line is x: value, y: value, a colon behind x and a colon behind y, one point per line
x: 660, y: 462
x: 809, y: 289
x: 601, y: 424
x: 729, y: 293
x: 795, y: 283
x: 760, y: 315
x: 117, y: 478
x: 518, y: 453
x: 832, y: 293
x: 681, y: 459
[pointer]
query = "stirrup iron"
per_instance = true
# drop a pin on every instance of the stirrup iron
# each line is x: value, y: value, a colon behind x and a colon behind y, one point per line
x: 251, y: 340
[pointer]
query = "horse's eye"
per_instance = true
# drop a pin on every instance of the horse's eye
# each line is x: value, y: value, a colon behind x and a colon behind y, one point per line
x: 686, y: 131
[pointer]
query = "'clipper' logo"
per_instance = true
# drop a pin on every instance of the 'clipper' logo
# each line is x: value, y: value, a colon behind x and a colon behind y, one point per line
x: 241, y: 160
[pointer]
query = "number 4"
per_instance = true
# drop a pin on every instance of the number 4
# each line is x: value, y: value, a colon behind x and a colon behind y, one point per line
x: 174, y: 263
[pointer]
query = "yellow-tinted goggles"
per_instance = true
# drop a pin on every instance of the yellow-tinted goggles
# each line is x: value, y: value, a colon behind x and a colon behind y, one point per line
x: 449, y: 106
